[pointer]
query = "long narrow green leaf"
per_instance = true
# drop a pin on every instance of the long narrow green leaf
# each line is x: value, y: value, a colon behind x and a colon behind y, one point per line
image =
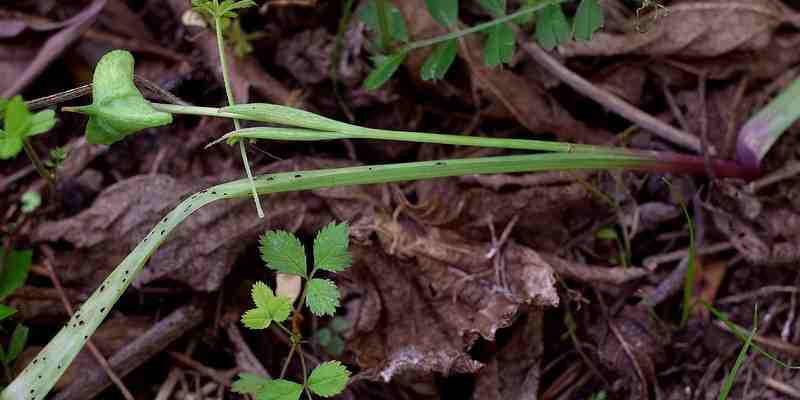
x: 39, y: 376
x: 765, y: 128
x: 727, y: 384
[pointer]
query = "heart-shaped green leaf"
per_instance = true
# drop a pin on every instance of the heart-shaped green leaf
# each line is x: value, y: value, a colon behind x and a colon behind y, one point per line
x: 118, y: 109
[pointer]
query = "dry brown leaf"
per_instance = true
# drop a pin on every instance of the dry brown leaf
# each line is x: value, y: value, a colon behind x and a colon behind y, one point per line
x: 513, y: 371
x: 707, y: 28
x: 421, y: 310
x: 639, y: 348
x: 51, y: 50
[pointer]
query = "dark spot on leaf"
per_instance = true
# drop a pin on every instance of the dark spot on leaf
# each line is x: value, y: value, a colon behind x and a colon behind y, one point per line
x: 298, y: 176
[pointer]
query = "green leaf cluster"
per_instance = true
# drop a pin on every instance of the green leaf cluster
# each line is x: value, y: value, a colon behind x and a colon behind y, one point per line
x: 20, y: 124
x: 326, y: 380
x: 118, y: 108
x: 283, y: 252
x: 330, y: 337
x: 221, y: 10
x: 553, y: 28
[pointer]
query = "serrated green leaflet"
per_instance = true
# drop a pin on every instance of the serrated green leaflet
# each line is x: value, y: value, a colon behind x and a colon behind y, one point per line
x: 499, y: 46
x: 588, y: 19
x: 552, y: 28
x: 280, y: 389
x: 385, y: 67
x: 269, y: 308
x: 118, y: 108
x: 283, y: 252
x: 439, y: 61
x: 445, y: 12
x: 331, y: 248
x: 247, y: 383
x: 322, y: 297
x: 328, y: 379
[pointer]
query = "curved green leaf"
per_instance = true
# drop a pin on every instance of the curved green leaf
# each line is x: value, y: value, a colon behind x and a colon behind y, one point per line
x: 385, y: 67
x: 118, y: 108
x: 439, y: 61
x: 588, y: 19
x: 283, y: 252
x: 552, y: 28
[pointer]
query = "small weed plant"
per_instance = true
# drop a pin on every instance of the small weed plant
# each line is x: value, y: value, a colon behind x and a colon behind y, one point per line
x: 283, y: 253
x: 392, y: 45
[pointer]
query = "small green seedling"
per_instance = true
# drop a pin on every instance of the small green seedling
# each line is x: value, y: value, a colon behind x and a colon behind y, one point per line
x: 727, y: 384
x: 330, y: 337
x: 20, y: 125
x: 552, y: 30
x: 283, y: 252
x: 31, y: 200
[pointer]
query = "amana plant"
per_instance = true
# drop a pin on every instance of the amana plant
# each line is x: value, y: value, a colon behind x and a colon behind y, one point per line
x: 118, y: 110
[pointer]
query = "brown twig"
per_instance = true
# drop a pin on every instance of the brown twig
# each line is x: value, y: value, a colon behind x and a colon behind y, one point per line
x: 152, y: 342
x: 221, y: 377
x: 610, y: 101
x: 89, y: 343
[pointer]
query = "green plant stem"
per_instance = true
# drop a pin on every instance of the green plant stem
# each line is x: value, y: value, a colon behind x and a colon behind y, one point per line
x: 357, y: 132
x: 344, y: 22
x: 477, y: 28
x: 305, y: 373
x: 232, y: 101
x: 37, y: 162
x: 383, y: 24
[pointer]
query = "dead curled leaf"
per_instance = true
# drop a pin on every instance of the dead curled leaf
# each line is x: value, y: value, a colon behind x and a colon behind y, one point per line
x: 694, y: 29
x: 423, y: 308
x: 644, y: 348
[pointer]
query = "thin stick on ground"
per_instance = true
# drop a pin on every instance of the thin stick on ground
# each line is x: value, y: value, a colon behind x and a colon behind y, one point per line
x: 610, y: 101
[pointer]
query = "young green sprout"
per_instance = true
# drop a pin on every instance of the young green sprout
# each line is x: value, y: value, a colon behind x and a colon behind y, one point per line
x: 282, y: 252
